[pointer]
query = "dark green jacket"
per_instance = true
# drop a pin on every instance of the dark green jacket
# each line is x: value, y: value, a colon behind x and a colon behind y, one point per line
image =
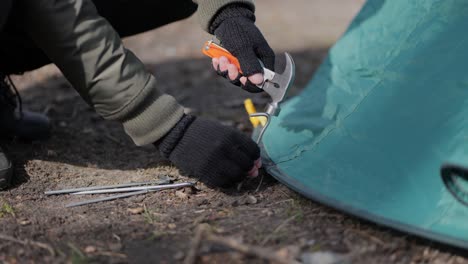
x: 107, y: 75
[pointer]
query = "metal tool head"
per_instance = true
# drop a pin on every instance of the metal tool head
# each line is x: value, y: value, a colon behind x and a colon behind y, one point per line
x: 277, y: 84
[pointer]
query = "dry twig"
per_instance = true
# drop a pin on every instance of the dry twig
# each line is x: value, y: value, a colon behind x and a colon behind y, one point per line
x: 29, y: 242
x: 260, y: 183
x: 204, y: 233
x: 195, y: 245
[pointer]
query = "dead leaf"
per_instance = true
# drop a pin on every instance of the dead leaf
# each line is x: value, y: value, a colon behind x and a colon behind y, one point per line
x: 137, y: 210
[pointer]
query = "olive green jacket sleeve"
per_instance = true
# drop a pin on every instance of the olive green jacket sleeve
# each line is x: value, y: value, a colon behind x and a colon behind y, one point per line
x: 207, y: 9
x: 92, y: 57
x: 109, y: 77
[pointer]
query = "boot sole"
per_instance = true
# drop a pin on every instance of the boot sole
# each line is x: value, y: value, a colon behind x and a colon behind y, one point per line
x: 5, y: 177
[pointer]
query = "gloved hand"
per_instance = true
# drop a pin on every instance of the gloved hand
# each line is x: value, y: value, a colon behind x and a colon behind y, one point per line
x: 235, y: 27
x: 217, y: 155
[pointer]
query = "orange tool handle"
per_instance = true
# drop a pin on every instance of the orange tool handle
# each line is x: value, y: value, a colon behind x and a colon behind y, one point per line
x: 214, y: 50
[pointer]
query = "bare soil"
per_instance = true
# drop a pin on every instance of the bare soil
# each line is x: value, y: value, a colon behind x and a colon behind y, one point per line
x: 86, y: 150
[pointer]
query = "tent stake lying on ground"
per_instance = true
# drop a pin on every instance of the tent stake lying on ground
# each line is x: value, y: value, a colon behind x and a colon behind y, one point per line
x: 117, y: 188
x: 110, y: 198
x: 74, y: 190
x: 135, y: 191
x: 139, y: 188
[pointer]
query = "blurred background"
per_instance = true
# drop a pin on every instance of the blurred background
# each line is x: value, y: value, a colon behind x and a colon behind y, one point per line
x: 287, y: 25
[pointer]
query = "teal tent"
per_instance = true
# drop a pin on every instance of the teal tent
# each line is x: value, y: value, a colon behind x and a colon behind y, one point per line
x: 383, y: 119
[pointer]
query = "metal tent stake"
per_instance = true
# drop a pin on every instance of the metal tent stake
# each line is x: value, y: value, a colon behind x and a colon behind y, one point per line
x: 131, y: 189
x: 74, y: 190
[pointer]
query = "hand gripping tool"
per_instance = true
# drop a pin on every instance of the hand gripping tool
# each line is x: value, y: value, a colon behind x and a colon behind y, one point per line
x: 274, y: 84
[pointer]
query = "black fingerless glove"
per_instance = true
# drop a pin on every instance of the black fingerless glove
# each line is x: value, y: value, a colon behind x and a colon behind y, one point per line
x: 215, y: 154
x: 235, y: 27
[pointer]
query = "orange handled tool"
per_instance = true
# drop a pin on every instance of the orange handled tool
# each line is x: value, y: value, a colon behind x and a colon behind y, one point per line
x: 214, y: 50
x: 275, y: 84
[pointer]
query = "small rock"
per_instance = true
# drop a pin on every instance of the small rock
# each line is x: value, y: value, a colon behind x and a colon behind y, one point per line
x: 251, y: 200
x: 90, y: 249
x: 63, y: 124
x: 181, y: 195
x: 137, y: 210
x: 172, y: 226
x: 24, y: 222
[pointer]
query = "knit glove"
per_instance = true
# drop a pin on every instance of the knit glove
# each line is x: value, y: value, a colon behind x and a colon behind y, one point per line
x: 217, y: 155
x: 235, y: 27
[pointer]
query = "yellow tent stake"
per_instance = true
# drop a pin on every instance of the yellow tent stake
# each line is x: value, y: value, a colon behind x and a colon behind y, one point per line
x: 250, y: 108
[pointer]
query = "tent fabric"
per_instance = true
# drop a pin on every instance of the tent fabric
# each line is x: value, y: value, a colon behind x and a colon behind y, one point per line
x: 387, y: 109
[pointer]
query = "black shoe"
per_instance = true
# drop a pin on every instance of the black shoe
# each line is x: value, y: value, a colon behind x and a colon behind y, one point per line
x: 6, y: 171
x: 14, y: 122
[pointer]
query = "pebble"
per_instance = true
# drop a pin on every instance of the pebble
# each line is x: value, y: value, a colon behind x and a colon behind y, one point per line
x: 251, y: 200
x: 90, y: 249
x: 25, y: 222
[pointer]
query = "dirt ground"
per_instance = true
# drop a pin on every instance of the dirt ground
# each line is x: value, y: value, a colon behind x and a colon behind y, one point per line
x: 159, y: 227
